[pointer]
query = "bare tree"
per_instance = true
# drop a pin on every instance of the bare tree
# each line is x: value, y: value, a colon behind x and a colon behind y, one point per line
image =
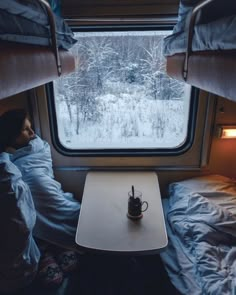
x: 100, y: 52
x: 154, y: 66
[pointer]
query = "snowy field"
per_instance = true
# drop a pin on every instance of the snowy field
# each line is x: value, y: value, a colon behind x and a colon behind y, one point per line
x: 127, y: 119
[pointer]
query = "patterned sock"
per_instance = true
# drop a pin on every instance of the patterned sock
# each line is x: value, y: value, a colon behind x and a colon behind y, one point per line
x: 49, y: 272
x: 68, y: 261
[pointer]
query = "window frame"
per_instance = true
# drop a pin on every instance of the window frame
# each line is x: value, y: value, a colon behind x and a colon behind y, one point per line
x: 122, y: 151
x: 193, y: 107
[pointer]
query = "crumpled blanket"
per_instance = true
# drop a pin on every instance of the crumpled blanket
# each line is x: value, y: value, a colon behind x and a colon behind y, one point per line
x: 57, y: 211
x: 27, y: 22
x: 217, y: 35
x: 214, y: 28
x: 206, y: 236
x: 19, y: 255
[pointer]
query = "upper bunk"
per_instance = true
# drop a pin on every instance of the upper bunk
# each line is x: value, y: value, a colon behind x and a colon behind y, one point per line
x: 202, y: 48
x: 34, y: 46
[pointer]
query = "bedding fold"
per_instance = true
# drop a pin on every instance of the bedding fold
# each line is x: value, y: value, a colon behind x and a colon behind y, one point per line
x: 214, y: 27
x: 217, y: 35
x: 19, y: 254
x: 202, y: 225
x: 27, y: 22
x: 57, y: 211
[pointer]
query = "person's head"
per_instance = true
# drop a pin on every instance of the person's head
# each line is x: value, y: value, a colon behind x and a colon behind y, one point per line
x: 15, y: 129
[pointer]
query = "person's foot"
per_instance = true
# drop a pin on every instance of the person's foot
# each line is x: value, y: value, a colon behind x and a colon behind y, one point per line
x: 49, y: 272
x: 68, y: 261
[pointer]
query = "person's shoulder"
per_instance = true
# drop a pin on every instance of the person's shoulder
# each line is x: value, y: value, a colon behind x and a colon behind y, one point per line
x: 5, y: 157
x: 7, y: 167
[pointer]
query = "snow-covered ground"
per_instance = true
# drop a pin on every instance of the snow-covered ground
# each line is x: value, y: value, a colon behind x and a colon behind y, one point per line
x: 129, y: 119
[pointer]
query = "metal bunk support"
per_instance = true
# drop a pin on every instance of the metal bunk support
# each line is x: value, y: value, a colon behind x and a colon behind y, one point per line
x: 53, y: 34
x: 195, y: 11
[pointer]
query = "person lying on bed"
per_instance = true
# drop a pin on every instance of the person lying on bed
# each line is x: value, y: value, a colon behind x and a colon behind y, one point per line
x: 57, y: 211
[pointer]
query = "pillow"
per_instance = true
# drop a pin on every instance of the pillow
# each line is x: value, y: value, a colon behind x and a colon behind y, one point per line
x: 218, y: 189
x: 184, y: 13
x: 213, y: 11
x: 27, y: 22
x: 207, y: 183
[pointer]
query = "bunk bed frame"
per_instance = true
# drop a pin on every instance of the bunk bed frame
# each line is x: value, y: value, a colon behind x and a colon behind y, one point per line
x: 25, y: 66
x: 213, y: 71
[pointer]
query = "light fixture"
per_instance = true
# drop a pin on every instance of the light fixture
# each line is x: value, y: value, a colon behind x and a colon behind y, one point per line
x: 226, y: 131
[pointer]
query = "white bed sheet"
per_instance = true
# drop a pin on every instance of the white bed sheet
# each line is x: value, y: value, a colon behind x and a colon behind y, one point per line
x: 201, y: 227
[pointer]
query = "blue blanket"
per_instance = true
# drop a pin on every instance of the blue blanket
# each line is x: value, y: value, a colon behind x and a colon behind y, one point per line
x: 27, y: 22
x: 217, y: 35
x: 203, y: 235
x: 214, y: 28
x: 19, y: 254
x: 57, y: 211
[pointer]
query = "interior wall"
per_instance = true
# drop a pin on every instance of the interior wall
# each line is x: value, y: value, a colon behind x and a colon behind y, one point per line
x: 17, y: 101
x: 222, y: 155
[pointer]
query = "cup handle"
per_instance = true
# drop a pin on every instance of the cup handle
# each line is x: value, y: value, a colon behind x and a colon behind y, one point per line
x: 144, y: 202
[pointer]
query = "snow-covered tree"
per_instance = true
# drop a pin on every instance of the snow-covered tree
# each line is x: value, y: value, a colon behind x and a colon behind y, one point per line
x: 99, y: 51
x: 154, y: 66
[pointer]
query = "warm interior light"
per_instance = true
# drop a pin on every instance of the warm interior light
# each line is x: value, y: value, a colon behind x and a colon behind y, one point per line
x: 227, y: 132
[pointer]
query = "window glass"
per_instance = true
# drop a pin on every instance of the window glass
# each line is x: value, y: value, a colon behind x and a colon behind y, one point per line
x: 120, y: 97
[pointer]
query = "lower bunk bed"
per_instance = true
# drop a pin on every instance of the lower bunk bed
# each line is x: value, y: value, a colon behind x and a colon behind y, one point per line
x: 200, y: 218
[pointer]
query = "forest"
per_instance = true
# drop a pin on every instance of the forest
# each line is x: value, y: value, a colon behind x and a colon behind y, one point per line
x: 120, y: 96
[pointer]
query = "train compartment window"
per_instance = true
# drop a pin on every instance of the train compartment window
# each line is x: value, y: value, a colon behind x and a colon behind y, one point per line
x: 120, y: 99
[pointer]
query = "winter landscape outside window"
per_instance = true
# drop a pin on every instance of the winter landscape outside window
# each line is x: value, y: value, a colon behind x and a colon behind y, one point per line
x: 120, y: 97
